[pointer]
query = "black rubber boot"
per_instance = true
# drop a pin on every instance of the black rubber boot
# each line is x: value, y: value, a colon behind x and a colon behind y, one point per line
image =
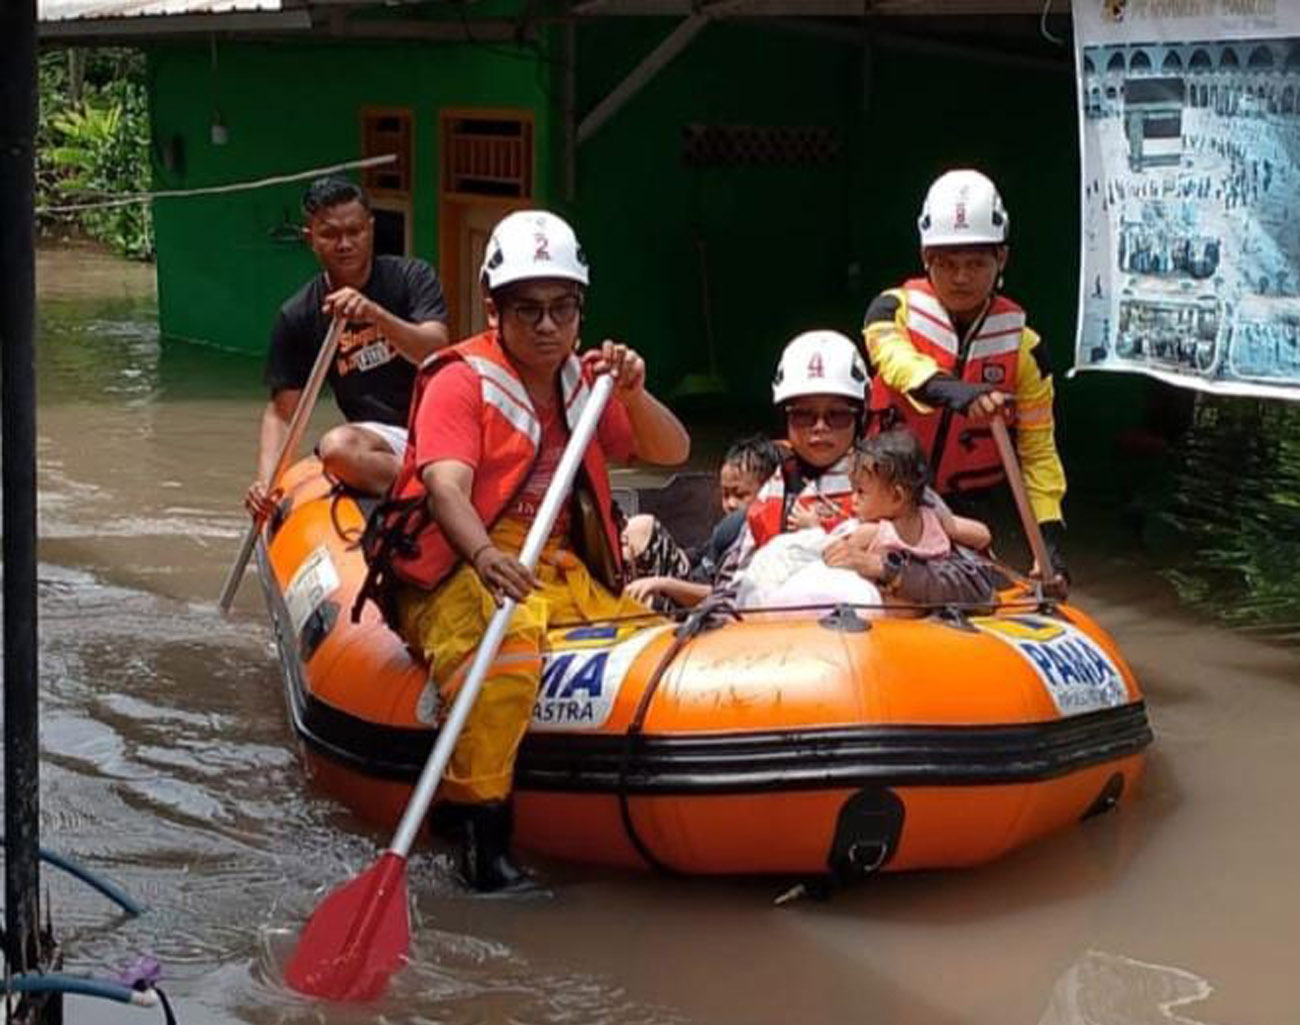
x: 485, y: 863
x: 446, y: 820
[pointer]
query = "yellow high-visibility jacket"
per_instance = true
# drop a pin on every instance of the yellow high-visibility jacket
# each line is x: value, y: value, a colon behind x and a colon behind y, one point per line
x: 909, y: 338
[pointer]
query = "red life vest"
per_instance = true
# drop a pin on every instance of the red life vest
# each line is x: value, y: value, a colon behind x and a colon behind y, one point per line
x: 962, y: 454
x: 770, y: 508
x: 511, y: 436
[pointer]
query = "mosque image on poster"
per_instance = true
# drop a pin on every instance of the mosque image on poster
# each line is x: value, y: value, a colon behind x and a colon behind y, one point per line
x: 1191, y: 162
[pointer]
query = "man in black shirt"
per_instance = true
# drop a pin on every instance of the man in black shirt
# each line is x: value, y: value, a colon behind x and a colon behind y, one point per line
x: 395, y: 317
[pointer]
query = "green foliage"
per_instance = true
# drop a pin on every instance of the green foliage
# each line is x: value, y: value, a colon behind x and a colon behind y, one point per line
x: 93, y: 143
x: 1230, y: 516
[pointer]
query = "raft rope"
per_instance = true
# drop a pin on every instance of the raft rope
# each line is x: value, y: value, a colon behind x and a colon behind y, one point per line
x: 352, y: 537
x: 704, y: 617
x: 1025, y: 604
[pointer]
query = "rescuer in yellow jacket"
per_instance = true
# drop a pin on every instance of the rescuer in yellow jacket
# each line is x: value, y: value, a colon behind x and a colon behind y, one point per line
x: 947, y: 353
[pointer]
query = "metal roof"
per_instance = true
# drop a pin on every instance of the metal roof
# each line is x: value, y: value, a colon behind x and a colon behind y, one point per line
x: 80, y: 22
x: 68, y: 10
x: 100, y: 21
x: 817, y: 8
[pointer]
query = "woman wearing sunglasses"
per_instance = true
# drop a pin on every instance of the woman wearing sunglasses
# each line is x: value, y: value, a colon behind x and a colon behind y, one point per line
x: 488, y: 427
x: 820, y: 389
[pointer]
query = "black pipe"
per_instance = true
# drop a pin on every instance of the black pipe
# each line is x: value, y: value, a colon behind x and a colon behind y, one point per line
x: 18, y: 450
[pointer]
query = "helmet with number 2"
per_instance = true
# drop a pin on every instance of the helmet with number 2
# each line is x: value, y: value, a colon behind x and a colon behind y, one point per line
x: 531, y: 244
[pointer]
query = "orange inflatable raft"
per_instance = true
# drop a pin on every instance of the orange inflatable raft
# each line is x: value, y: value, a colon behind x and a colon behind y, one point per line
x: 825, y: 743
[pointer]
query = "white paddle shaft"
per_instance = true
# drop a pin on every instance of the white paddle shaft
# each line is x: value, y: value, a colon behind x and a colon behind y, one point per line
x: 495, y: 633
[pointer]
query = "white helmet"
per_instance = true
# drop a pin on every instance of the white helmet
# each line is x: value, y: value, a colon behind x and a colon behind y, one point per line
x: 529, y: 244
x: 820, y: 363
x: 963, y: 208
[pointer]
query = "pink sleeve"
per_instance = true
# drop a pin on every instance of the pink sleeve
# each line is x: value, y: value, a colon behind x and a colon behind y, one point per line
x: 448, y: 421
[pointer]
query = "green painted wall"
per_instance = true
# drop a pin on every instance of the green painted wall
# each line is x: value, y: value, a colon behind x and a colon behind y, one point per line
x: 776, y: 239
x: 226, y: 262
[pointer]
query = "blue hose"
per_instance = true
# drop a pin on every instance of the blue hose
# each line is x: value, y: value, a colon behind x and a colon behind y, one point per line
x: 108, y: 888
x: 79, y: 985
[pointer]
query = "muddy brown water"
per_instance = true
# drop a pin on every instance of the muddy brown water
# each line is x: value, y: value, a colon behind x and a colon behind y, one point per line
x: 169, y: 765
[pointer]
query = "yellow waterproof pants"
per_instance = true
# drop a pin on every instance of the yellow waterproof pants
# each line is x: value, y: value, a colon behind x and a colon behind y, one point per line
x: 447, y: 624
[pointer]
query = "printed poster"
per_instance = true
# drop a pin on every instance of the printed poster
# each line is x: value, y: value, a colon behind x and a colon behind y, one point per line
x: 1190, y: 134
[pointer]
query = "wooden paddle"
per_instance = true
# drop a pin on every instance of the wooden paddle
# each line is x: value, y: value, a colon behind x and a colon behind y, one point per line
x: 360, y: 934
x: 1027, y: 519
x: 297, y: 425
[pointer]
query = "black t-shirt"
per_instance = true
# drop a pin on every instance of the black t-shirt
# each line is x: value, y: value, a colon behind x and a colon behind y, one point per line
x: 371, y: 380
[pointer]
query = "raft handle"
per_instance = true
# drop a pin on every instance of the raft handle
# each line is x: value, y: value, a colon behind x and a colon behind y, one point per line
x: 951, y: 615
x: 845, y: 619
x: 1107, y: 798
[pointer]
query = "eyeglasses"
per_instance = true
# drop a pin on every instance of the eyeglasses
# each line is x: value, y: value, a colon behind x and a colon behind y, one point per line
x: 837, y: 418
x: 562, y: 311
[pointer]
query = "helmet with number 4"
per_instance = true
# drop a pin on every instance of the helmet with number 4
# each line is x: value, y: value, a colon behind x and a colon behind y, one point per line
x: 963, y: 208
x: 531, y: 244
x: 820, y: 363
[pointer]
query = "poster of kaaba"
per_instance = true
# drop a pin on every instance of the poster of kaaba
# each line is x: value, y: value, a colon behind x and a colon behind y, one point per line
x: 1190, y: 132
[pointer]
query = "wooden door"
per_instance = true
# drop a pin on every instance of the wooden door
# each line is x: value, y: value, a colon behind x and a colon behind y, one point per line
x: 487, y: 171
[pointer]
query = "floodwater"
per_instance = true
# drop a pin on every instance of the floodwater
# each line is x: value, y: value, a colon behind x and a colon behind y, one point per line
x: 168, y: 763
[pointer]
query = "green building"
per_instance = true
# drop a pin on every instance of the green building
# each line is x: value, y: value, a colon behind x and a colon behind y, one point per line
x: 739, y: 170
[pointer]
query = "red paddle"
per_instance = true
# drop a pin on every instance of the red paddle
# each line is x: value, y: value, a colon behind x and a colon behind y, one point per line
x: 360, y: 934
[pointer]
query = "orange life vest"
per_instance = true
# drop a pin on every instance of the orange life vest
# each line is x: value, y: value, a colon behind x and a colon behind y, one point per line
x: 511, y: 436
x: 962, y: 454
x: 768, y: 512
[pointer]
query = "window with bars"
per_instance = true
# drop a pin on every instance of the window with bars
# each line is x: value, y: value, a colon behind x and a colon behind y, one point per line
x: 384, y: 132
x: 487, y: 155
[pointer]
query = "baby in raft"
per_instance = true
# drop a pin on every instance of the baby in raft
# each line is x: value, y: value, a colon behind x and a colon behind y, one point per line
x: 858, y: 561
x: 836, y: 522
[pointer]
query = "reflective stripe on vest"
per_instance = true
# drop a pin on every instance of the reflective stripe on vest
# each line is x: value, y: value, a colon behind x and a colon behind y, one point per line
x: 510, y: 439
x: 766, y: 515
x: 500, y: 389
x: 990, y: 356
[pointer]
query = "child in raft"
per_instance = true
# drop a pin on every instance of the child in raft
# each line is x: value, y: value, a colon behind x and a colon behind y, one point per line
x: 858, y: 562
x: 668, y: 576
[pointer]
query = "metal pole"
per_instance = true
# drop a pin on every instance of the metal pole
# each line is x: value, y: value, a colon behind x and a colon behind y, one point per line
x: 674, y: 43
x: 18, y: 424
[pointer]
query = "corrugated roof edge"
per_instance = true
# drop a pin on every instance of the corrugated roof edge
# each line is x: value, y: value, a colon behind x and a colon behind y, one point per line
x: 48, y: 11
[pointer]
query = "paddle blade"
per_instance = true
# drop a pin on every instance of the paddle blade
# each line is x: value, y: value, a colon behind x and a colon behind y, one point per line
x: 357, y: 938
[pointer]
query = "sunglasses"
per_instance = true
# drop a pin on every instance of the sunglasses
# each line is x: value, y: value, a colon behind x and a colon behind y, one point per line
x: 562, y: 311
x: 837, y: 418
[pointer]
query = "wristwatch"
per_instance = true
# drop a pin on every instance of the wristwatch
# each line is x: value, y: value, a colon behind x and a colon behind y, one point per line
x: 891, y: 565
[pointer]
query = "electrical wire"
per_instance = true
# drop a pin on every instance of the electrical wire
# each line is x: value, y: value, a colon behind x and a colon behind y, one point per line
x: 212, y: 190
